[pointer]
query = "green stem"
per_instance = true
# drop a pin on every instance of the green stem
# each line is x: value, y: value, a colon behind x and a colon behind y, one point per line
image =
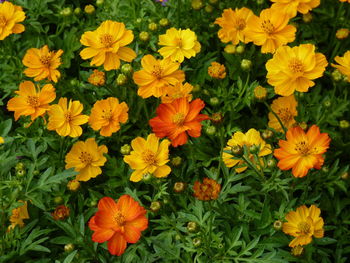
x: 251, y: 165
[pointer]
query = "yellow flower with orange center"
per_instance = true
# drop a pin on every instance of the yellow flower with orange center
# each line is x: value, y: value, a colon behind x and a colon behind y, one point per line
x: 107, y: 45
x: 178, y: 44
x: 303, y: 224
x: 65, y: 118
x: 86, y: 158
x: 248, y: 139
x: 293, y: 69
x: 208, y: 190
x: 286, y: 109
x: 106, y: 116
x: 18, y: 215
x: 233, y: 25
x: 10, y: 17
x: 97, y: 78
x: 301, y: 152
x: 177, y: 91
x: 156, y: 76
x: 217, y: 70
x: 291, y: 7
x: 31, y: 101
x: 148, y: 157
x: 42, y: 63
x: 344, y: 64
x: 270, y: 30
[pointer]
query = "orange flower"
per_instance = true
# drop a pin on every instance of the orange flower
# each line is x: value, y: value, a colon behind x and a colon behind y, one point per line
x: 342, y: 33
x: 293, y: 69
x: 97, y: 78
x: 177, y: 91
x: 67, y: 118
x: 156, y: 76
x: 106, y: 45
x: 18, y: 214
x: 291, y: 7
x: 42, y: 63
x: 118, y: 223
x: 286, y: 109
x: 86, y: 158
x: 208, y: 190
x: 217, y: 70
x: 233, y: 25
x: 31, y: 102
x: 270, y: 30
x: 106, y: 116
x: 177, y: 119
x: 10, y: 16
x: 344, y: 64
x: 301, y: 152
x: 61, y: 212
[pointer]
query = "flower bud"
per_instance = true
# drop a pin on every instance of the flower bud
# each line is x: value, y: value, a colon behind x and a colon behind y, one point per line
x: 138, y: 20
x: 303, y: 125
x: 230, y: 49
x: 342, y: 33
x: 164, y: 22
x: 68, y: 247
x: 144, y: 36
x: 254, y: 149
x: 155, y: 206
x: 127, y: 69
x: 176, y: 161
x: 177, y: 237
x: 179, y: 187
x: 259, y: 2
x: 213, y: 1
x: 260, y: 93
x: 271, y: 163
x: 216, y: 118
x: 267, y: 134
x: 237, y: 150
x: 77, y: 11
x: 58, y: 200
x: 73, y: 185
x: 147, y: 177
x: 197, y: 4
x: 344, y: 124
x: 196, y: 242
x: 345, y: 176
x: 336, y: 75
x: 240, y: 49
x: 152, y: 26
x: 20, y: 173
x: 327, y: 103
x: 19, y: 166
x: 206, y: 92
x: 209, y: 9
x: 297, y: 251
x: 307, y: 17
x: 125, y: 149
x: 121, y: 79
x: 277, y: 225
x: 93, y: 202
x: 67, y: 11
x: 89, y: 9
x: 210, y: 130
x: 246, y: 64
x: 36, y: 172
x: 196, y: 88
x: 99, y: 2
x: 61, y: 212
x: 325, y: 169
x: 214, y: 101
x: 192, y: 227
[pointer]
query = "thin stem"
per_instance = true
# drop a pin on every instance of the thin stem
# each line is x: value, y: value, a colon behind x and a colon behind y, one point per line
x: 251, y: 165
x: 277, y: 117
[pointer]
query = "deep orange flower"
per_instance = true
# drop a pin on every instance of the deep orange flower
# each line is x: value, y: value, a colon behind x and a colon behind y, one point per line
x: 61, y: 212
x: 156, y: 76
x: 42, y: 63
x: 301, y: 152
x: 177, y: 119
x: 118, y: 223
x: 106, y: 115
x: 31, y: 101
x: 179, y: 90
x: 208, y: 190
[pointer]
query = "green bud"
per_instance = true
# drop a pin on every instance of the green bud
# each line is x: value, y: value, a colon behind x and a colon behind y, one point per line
x: 196, y: 242
x: 210, y: 130
x: 209, y: 9
x: 176, y: 161
x: 237, y: 150
x: 152, y: 26
x: 20, y: 173
x: 121, y: 79
x: 58, y: 200
x: 246, y: 64
x: 179, y: 187
x: 20, y: 166
x: 277, y: 225
x: 155, y: 206
x: 344, y: 124
x: 125, y: 149
x: 68, y: 247
x: 214, y: 101
x: 144, y: 36
x: 127, y: 69
x: 77, y: 11
x: 164, y: 22
x: 240, y: 49
x: 192, y: 227
x: 99, y: 2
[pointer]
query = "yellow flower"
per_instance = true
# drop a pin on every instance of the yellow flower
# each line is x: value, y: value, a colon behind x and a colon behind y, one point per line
x: 42, y: 63
x: 10, y: 17
x: 286, y: 109
x: 233, y: 25
x: 148, y: 157
x: 239, y: 139
x: 18, y: 214
x: 178, y: 44
x: 86, y: 158
x: 217, y: 70
x: 73, y: 185
x: 106, y: 115
x: 97, y: 78
x: 177, y: 91
x: 270, y: 30
x: 156, y: 76
x: 344, y: 64
x: 107, y: 45
x: 260, y: 93
x: 2, y: 140
x: 31, y: 101
x: 67, y: 118
x: 293, y: 69
x: 342, y: 33
x: 291, y: 7
x: 303, y: 224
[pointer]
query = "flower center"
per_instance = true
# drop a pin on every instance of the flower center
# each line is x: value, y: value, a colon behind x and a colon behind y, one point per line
x: 179, y: 119
x: 120, y: 219
x: 107, y: 115
x: 267, y: 26
x: 296, y: 66
x: 304, y: 228
x: 302, y: 148
x: 33, y: 101
x: 178, y: 42
x: 157, y: 71
x: 3, y: 21
x: 148, y: 157
x: 240, y: 24
x: 45, y: 60
x: 68, y: 117
x: 85, y: 158
x: 285, y: 114
x: 106, y: 40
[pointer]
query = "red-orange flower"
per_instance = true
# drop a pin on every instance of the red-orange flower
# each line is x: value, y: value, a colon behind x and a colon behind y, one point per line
x: 301, y: 152
x: 177, y: 119
x: 118, y: 223
x: 208, y: 190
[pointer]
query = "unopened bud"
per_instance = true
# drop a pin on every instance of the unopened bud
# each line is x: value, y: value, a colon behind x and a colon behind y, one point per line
x: 155, y: 206
x: 209, y: 9
x: 58, y: 200
x: 144, y: 36
x: 196, y: 242
x: 210, y: 130
x: 277, y: 225
x: 77, y: 11
x: 164, y: 22
x: 152, y: 26
x: 297, y: 251
x: 214, y: 101
x: 67, y: 11
x: 121, y: 79
x: 20, y: 173
x: 345, y: 176
x: 197, y: 4
x: 192, y: 227
x: 307, y: 17
x: 271, y: 163
x: 179, y: 187
x: 246, y: 64
x: 230, y: 49
x: 176, y: 161
x: 216, y: 118
x: 89, y: 9
x: 99, y: 2
x: 260, y: 93
x: 267, y: 134
x: 240, y: 49
x: 125, y: 149
x: 336, y: 75
x: 69, y: 247
x: 236, y: 150
x: 344, y: 124
x: 127, y: 69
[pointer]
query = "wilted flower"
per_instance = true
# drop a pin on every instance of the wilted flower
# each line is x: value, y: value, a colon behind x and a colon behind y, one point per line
x: 61, y: 212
